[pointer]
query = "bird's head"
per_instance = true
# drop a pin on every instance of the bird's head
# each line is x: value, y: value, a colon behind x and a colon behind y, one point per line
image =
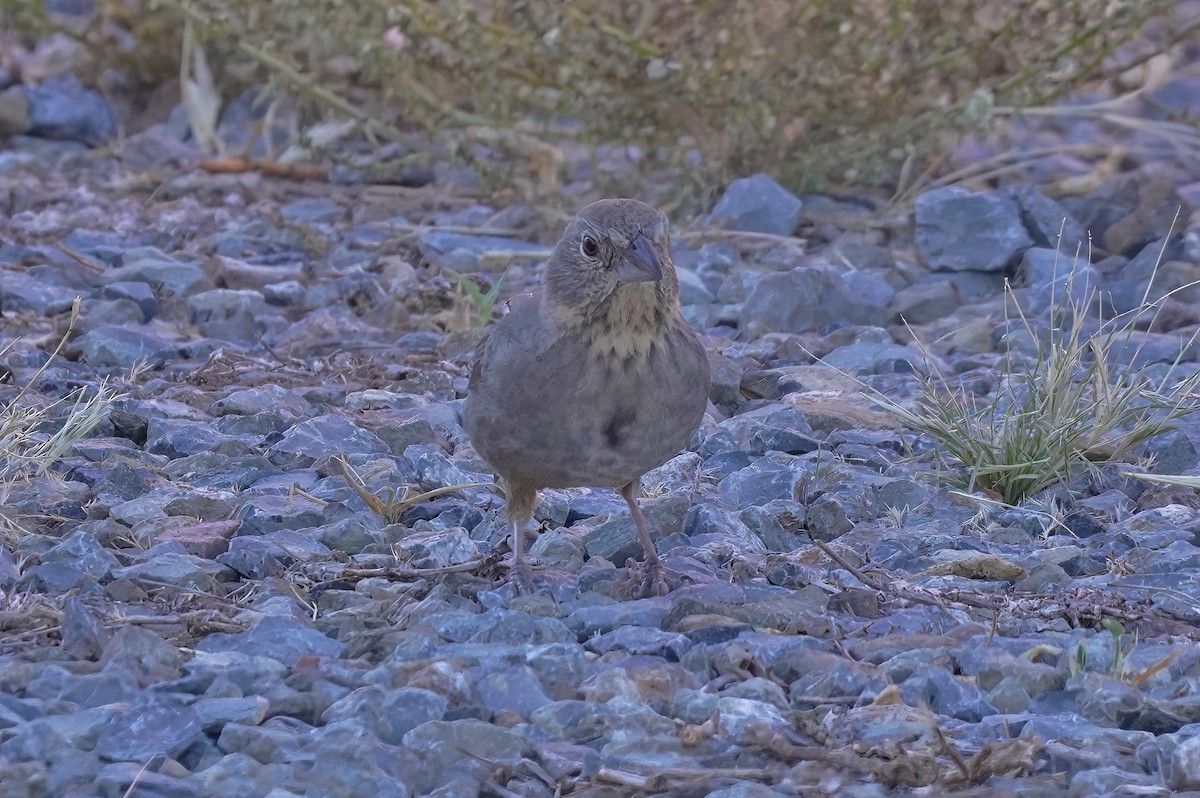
x: 616, y: 249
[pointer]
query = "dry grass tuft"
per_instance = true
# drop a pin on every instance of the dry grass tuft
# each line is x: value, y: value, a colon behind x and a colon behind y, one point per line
x: 27, y: 450
x: 1082, y: 398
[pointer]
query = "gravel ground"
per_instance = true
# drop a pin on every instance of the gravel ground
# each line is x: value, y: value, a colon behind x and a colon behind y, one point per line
x: 195, y: 600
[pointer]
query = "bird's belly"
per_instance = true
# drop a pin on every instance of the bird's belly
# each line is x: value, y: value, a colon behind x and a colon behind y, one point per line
x: 592, y: 439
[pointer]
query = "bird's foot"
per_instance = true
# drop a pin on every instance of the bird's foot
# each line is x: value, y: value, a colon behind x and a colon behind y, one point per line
x: 522, y: 578
x: 649, y: 578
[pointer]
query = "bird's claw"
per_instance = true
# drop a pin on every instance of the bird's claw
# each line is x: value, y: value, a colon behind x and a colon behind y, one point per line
x: 652, y: 581
x: 522, y: 579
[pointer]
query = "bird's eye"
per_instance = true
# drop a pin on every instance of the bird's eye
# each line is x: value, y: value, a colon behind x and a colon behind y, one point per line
x: 589, y: 247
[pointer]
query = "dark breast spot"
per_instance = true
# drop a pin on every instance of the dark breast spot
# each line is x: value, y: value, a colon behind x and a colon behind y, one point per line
x: 617, y: 427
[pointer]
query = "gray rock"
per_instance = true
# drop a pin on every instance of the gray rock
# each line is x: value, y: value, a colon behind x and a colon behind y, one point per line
x: 870, y: 355
x: 252, y: 401
x: 586, y: 622
x: 281, y: 638
x: 122, y: 347
x: 726, y: 388
x: 946, y: 694
x: 52, y: 577
x: 176, y: 437
x: 139, y: 652
x: 273, y: 741
x: 215, y: 713
x: 616, y: 539
x: 156, y: 725
x: 742, y: 719
x: 151, y: 266
x: 757, y: 204
x: 1174, y: 452
x: 443, y: 744
x: 177, y: 570
x: 228, y: 315
x: 1116, y: 782
x: 706, y: 523
x: 744, y: 789
x: 438, y: 548
x: 764, y: 481
x: 1009, y: 696
x: 268, y: 555
x: 239, y: 774
x: 957, y: 230
x: 692, y: 290
x: 137, y: 292
x: 389, y: 714
x: 124, y: 778
x: 19, y: 291
x: 313, y: 210
x: 672, y: 646
x: 779, y: 524
x: 1049, y: 279
x: 83, y: 637
x: 513, y: 690
x: 85, y: 553
x: 1185, y: 765
x: 349, y: 535
x: 807, y: 299
x: 289, y: 293
x: 921, y: 303
x: 61, y: 108
x: 693, y: 706
x: 323, y: 436
x: 1049, y: 224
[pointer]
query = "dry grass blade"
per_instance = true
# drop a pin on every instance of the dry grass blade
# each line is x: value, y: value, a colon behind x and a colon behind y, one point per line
x: 1165, y: 479
x: 1137, y: 678
x: 385, y: 503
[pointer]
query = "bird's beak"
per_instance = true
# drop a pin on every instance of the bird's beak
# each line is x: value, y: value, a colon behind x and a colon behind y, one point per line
x: 640, y: 263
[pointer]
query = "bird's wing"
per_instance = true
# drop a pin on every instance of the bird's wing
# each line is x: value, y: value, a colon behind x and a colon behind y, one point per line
x: 521, y: 313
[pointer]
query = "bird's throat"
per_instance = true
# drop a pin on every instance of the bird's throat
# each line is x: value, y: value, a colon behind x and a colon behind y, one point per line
x: 632, y: 320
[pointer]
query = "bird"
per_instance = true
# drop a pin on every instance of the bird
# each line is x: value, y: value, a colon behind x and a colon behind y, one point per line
x: 593, y: 379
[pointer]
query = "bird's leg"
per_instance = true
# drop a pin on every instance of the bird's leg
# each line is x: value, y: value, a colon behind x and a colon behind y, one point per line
x: 520, y: 571
x: 655, y: 582
x: 518, y: 510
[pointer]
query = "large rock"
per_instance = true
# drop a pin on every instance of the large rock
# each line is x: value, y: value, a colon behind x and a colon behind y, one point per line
x: 959, y: 230
x: 807, y: 299
x: 757, y: 204
x: 61, y: 108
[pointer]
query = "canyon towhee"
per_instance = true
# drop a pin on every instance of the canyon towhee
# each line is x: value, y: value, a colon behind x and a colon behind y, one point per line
x: 596, y: 378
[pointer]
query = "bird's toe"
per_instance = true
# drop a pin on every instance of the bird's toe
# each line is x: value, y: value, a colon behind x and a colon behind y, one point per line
x: 649, y: 579
x: 522, y: 578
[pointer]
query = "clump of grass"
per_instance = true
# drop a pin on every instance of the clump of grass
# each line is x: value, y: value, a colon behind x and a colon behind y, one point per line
x: 26, y: 450
x: 1081, y: 399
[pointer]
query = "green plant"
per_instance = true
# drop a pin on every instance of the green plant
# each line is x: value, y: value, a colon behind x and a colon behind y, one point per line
x: 1078, y: 400
x: 482, y: 302
x: 1122, y: 645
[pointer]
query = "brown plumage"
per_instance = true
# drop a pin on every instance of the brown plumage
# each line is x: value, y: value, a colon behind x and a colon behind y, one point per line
x: 595, y: 379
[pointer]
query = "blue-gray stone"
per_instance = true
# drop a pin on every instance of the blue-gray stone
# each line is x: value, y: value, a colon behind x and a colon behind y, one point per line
x: 61, y: 108
x: 757, y: 204
x: 278, y: 637
x: 959, y: 229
